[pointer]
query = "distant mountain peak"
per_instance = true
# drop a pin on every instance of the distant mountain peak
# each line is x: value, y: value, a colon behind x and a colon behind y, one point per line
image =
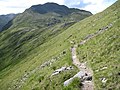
x: 54, y: 7
x: 50, y: 7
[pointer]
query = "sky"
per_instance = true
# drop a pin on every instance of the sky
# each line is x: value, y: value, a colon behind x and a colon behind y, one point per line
x: 19, y: 6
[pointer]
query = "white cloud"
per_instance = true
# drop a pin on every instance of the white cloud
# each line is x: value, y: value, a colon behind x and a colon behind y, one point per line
x: 93, y: 1
x: 71, y: 2
x: 96, y: 6
x: 18, y: 6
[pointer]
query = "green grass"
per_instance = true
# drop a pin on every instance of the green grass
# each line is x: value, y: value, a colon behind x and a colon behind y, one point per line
x: 29, y: 30
x: 74, y: 85
x: 99, y: 51
x: 103, y: 51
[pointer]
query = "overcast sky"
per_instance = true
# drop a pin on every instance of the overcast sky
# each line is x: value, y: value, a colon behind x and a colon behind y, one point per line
x: 18, y: 6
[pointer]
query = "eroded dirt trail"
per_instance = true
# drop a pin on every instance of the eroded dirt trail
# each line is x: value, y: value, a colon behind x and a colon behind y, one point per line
x: 87, y: 82
x: 74, y: 57
x: 85, y: 73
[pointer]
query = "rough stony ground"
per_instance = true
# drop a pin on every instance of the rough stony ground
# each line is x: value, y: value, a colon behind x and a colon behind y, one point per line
x: 87, y: 84
x: 85, y: 74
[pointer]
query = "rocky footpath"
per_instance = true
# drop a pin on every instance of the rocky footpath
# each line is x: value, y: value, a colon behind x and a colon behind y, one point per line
x: 86, y: 74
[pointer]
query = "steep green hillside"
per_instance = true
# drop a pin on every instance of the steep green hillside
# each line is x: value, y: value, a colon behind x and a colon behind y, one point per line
x: 36, y: 66
x: 32, y: 28
x: 4, y: 19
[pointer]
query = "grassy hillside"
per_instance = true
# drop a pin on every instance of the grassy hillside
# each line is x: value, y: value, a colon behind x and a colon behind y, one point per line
x: 4, y: 19
x: 31, y: 29
x: 99, y: 52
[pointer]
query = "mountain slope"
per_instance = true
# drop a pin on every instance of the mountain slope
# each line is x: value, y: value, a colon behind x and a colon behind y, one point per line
x: 4, y: 19
x: 101, y: 53
x: 53, y: 7
x: 31, y: 29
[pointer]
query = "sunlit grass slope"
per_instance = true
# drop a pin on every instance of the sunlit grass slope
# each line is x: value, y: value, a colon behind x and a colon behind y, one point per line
x: 100, y: 51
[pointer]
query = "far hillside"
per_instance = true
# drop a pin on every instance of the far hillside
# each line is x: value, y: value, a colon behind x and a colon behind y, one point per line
x: 4, y: 19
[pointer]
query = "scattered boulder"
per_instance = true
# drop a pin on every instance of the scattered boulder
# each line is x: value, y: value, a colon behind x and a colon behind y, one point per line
x: 89, y: 36
x: 81, y: 43
x: 82, y: 75
x: 66, y: 83
x: 97, y: 70
x: 61, y: 70
x: 55, y: 73
x: 88, y: 78
x: 69, y: 68
x: 103, y: 68
x: 93, y: 25
x: 71, y: 42
x: 104, y: 80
